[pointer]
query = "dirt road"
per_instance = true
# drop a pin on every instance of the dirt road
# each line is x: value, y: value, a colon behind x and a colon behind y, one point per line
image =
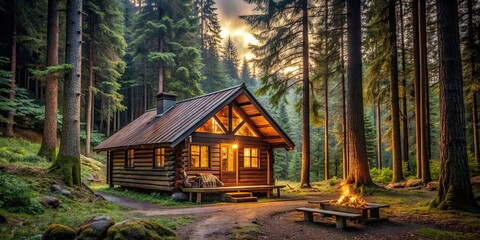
x: 272, y: 219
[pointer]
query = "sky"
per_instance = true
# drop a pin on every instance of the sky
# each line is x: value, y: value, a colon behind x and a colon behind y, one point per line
x: 228, y: 12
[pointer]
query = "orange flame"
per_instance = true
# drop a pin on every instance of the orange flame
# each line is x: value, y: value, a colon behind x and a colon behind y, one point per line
x: 349, y: 199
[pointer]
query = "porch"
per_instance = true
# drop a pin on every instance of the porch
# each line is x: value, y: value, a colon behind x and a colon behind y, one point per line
x: 259, y: 188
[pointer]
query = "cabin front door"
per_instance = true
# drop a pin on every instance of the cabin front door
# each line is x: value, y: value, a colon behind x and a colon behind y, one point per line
x: 229, y: 164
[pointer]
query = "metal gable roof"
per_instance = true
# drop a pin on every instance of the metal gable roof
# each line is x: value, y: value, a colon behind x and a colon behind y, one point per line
x: 179, y: 122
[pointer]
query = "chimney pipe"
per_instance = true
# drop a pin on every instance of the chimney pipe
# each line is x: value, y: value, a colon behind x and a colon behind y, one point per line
x: 165, y: 101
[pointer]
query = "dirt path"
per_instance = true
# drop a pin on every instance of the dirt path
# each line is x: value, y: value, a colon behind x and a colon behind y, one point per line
x: 276, y: 219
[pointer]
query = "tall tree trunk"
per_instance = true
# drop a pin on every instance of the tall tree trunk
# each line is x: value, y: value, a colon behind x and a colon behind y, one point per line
x: 344, y: 112
x: 49, y: 140
x: 326, y: 90
x: 416, y: 75
x: 359, y: 170
x: 305, y: 179
x: 8, y: 132
x: 67, y: 163
x: 379, y: 135
x: 473, y: 79
x: 145, y: 93
x: 109, y: 117
x: 88, y: 112
x: 394, y: 99
x: 404, y: 116
x: 160, y: 50
x: 424, y: 124
x: 455, y: 189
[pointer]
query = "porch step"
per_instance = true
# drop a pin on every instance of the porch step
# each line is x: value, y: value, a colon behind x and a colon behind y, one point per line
x: 238, y: 194
x: 243, y: 199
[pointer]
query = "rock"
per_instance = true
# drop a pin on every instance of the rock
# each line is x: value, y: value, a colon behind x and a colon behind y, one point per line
x: 3, y: 219
x: 65, y: 192
x: 432, y: 186
x: 395, y: 185
x: 413, y: 182
x: 95, y: 228
x: 179, y: 197
x: 59, y: 232
x: 55, y: 188
x: 135, y: 229
x: 49, y: 201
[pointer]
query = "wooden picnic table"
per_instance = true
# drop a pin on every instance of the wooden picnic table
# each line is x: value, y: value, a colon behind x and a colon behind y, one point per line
x: 371, y: 212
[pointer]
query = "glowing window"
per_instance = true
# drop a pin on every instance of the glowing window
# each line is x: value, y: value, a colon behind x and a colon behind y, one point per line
x: 211, y: 126
x: 199, y: 156
x: 246, y: 130
x: 236, y: 119
x: 228, y: 158
x: 159, y: 157
x: 250, y: 157
x: 222, y: 115
x: 130, y: 160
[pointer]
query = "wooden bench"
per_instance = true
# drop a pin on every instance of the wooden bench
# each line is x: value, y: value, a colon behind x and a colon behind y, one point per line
x: 340, y: 217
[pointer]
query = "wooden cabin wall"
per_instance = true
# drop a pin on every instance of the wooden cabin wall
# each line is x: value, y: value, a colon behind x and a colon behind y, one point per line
x: 143, y: 174
x: 246, y: 177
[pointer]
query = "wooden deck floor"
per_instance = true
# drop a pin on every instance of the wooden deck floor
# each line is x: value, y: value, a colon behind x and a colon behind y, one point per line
x: 257, y: 188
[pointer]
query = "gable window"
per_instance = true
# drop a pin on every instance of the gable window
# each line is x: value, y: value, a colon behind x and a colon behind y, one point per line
x: 159, y: 158
x: 250, y: 157
x: 130, y: 158
x: 211, y: 126
x: 236, y: 119
x: 199, y: 156
x: 246, y: 130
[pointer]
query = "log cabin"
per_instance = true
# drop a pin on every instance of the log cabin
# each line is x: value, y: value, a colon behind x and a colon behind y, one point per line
x: 225, y: 133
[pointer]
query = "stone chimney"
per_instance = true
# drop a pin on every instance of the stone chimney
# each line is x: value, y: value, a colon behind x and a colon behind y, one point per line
x: 165, y: 101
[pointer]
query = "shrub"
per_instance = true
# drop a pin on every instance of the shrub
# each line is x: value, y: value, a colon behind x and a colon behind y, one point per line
x: 383, y: 176
x: 15, y: 196
x: 33, y: 159
x: 332, y: 181
x: 435, y: 169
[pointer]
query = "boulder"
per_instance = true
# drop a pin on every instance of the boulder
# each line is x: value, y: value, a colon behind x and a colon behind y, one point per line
x: 179, y: 197
x: 135, y: 229
x: 432, y: 186
x: 59, y: 232
x: 3, y: 219
x: 49, y: 201
x: 55, y: 188
x: 94, y: 228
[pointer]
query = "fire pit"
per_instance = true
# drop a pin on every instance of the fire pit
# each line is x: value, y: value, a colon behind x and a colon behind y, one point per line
x: 348, y: 206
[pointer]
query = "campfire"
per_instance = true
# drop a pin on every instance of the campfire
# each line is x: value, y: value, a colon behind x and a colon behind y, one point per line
x: 349, y: 199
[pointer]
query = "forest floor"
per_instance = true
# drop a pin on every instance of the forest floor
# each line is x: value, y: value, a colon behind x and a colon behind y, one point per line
x: 409, y: 218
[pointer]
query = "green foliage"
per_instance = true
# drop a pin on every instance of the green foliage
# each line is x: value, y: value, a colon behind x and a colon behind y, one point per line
x: 230, y: 59
x: 16, y: 196
x: 436, y: 234
x: 59, y: 69
x: 20, y: 152
x: 95, y: 137
x: 435, y: 169
x: 332, y: 181
x: 383, y: 176
x: 371, y: 140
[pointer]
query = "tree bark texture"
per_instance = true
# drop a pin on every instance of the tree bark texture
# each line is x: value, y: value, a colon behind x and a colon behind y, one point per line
x: 416, y: 66
x: 473, y: 79
x: 326, y: 91
x: 344, y: 113
x: 455, y: 190
x: 359, y: 170
x: 49, y: 140
x: 68, y: 160
x: 424, y: 105
x: 88, y: 111
x: 394, y: 98
x: 305, y: 179
x: 8, y: 132
x: 404, y: 116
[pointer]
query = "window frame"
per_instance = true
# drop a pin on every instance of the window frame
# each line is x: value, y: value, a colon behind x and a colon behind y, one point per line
x: 161, y: 155
x: 200, y: 145
x: 250, y: 157
x: 129, y: 158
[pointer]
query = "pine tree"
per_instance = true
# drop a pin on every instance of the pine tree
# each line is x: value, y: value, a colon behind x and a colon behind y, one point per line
x: 8, y: 131
x: 67, y: 163
x: 167, y: 27
x: 282, y: 156
x: 283, y: 57
x: 230, y: 59
x: 106, y: 47
x: 246, y: 76
x: 455, y: 189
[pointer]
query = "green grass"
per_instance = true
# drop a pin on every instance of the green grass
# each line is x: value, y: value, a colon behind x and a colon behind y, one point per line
x: 162, y: 199
x: 246, y: 232
x: 20, y: 152
x: 435, y: 234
